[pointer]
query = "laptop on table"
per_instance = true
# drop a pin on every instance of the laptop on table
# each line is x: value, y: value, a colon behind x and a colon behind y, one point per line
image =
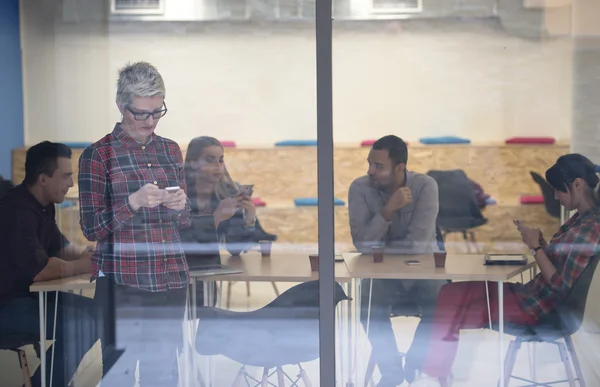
x: 202, y: 255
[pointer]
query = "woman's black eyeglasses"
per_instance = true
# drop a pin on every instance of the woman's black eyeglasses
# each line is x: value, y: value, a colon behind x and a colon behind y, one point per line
x: 143, y: 116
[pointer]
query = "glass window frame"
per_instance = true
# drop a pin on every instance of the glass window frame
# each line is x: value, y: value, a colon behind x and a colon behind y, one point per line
x: 326, y: 219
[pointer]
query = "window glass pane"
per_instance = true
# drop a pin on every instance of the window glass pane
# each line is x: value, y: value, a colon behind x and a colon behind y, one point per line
x: 190, y: 133
x: 443, y: 112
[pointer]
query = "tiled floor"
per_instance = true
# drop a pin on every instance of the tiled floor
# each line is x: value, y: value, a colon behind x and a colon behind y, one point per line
x: 476, y: 364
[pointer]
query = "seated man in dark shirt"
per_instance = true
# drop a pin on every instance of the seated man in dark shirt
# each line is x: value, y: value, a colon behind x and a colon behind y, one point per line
x: 33, y: 249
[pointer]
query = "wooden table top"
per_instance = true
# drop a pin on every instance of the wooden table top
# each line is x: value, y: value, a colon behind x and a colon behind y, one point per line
x: 295, y: 267
x: 458, y: 267
x: 280, y: 267
x: 78, y: 282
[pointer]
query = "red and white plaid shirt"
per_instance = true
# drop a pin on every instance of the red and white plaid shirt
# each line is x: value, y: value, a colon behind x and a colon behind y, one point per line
x: 139, y: 248
x: 570, y: 250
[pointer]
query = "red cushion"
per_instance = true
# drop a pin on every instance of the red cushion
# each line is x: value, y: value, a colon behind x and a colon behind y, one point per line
x: 371, y: 142
x: 531, y: 140
x: 367, y: 142
x: 228, y: 144
x: 532, y: 199
x: 258, y: 202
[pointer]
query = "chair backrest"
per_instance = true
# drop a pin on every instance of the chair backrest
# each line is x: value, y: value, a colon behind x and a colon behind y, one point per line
x: 456, y: 195
x: 571, y: 310
x: 305, y: 294
x: 552, y: 205
x: 298, y: 302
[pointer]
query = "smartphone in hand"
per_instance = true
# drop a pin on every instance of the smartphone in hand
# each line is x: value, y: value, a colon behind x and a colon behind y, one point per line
x: 246, y: 189
x: 173, y: 189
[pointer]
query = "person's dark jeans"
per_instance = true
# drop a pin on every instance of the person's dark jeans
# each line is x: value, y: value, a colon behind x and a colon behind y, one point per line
x: 386, y: 293
x: 148, y: 329
x: 76, y: 331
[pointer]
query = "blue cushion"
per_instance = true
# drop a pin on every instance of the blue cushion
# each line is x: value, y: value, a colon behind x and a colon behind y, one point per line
x: 67, y: 204
x: 444, y: 140
x: 490, y: 201
x: 303, y: 202
x: 297, y: 143
x: 597, y: 168
x: 77, y: 144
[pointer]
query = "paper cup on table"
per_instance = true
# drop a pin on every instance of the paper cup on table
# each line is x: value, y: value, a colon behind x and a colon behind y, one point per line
x: 440, y: 259
x: 378, y: 251
x: 265, y: 248
x: 314, y: 262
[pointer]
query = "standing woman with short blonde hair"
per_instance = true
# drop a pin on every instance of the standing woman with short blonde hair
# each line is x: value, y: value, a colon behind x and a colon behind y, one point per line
x: 127, y: 210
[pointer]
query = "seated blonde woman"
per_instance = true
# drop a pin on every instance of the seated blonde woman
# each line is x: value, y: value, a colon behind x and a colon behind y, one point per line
x: 217, y: 199
x: 463, y: 305
x: 213, y: 192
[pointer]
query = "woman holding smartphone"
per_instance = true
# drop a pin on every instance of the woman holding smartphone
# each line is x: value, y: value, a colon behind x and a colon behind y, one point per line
x: 213, y: 192
x: 222, y: 210
x: 561, y: 260
x: 139, y: 262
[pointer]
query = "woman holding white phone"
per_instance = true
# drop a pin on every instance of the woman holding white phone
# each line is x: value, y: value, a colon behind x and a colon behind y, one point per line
x: 133, y: 203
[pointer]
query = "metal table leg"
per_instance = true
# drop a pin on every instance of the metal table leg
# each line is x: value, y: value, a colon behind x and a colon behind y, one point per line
x: 42, y: 311
x: 501, y: 330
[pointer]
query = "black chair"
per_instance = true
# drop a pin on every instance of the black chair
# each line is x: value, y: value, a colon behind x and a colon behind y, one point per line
x: 284, y: 332
x: 458, y: 211
x: 564, y: 322
x: 14, y: 343
x: 552, y: 205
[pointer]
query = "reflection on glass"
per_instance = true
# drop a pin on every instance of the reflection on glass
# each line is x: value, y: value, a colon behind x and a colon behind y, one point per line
x: 481, y: 93
x: 467, y: 87
x: 243, y: 243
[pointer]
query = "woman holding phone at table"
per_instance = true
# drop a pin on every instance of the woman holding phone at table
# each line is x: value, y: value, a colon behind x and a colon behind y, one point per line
x: 217, y: 199
x: 212, y: 191
x: 463, y: 305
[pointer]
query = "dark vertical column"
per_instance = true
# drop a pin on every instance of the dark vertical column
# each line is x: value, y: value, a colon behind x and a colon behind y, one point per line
x: 325, y: 190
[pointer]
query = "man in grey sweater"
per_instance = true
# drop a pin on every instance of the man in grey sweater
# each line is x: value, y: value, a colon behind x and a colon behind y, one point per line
x: 398, y: 208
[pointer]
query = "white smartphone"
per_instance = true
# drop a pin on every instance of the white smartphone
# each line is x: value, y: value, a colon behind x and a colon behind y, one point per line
x: 172, y: 189
x: 412, y: 262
